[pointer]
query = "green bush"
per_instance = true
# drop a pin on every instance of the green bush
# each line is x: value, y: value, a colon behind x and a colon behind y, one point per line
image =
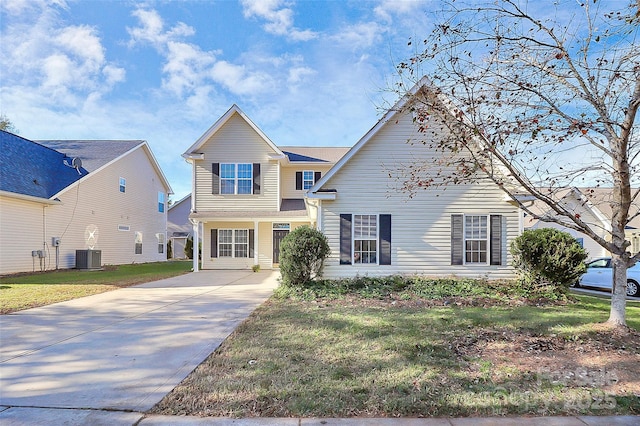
x: 547, y: 256
x: 188, y: 248
x: 302, y: 255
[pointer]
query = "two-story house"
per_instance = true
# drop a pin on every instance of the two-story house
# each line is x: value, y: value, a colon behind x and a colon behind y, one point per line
x: 58, y: 197
x: 248, y: 193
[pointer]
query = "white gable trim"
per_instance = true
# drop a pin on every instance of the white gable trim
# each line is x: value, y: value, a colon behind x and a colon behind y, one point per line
x: 152, y: 159
x: 397, y: 107
x: 591, y: 207
x: 193, y: 149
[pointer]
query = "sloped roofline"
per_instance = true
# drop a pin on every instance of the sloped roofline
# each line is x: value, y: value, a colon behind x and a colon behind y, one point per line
x: 235, y: 109
x: 182, y: 200
x: 391, y: 113
x: 154, y: 163
x: 398, y: 107
x: 590, y: 206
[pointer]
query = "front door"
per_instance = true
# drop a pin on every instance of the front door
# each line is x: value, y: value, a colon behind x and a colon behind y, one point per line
x: 278, y: 235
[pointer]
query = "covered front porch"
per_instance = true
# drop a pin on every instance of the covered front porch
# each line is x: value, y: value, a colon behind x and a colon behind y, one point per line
x: 238, y: 240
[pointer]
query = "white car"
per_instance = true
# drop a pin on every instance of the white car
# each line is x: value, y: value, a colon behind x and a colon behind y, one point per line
x: 600, y: 274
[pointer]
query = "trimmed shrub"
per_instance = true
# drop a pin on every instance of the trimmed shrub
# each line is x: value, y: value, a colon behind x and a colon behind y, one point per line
x: 548, y: 256
x: 302, y: 255
x: 188, y: 248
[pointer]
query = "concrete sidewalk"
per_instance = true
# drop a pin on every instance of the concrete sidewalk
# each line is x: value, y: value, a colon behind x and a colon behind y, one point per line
x: 118, y: 353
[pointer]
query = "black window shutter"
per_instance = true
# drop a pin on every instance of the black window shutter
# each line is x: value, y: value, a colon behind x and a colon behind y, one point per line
x: 251, y: 242
x: 457, y: 239
x: 214, y: 243
x: 345, y: 239
x: 317, y: 176
x: 256, y: 178
x: 215, y: 184
x: 385, y: 239
x: 298, y: 180
x: 496, y: 239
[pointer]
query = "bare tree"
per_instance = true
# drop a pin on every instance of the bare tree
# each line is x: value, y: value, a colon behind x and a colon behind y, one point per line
x: 6, y: 124
x: 539, y: 96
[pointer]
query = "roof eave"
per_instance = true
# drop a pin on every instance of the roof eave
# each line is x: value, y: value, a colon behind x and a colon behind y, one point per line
x: 31, y: 198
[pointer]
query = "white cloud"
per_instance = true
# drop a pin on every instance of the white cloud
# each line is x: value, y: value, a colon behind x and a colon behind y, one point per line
x: 387, y: 8
x: 297, y: 74
x: 360, y: 35
x: 238, y: 80
x: 63, y: 62
x: 279, y: 18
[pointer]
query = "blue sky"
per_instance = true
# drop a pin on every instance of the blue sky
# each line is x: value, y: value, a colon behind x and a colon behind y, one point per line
x: 306, y: 72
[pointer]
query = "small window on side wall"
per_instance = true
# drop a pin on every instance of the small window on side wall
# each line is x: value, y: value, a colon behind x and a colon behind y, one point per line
x: 138, y: 243
x: 123, y: 184
x: 161, y: 202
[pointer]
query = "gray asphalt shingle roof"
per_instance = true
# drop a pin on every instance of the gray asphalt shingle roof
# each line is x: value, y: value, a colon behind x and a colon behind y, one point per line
x: 93, y: 153
x: 29, y: 168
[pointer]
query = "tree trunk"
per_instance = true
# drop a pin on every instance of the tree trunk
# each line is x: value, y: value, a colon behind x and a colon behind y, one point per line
x: 619, y: 291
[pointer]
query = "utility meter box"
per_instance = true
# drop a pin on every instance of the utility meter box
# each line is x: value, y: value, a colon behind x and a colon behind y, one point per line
x: 55, y: 241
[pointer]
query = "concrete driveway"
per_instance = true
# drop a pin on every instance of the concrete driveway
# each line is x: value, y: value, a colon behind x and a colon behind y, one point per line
x: 122, y: 350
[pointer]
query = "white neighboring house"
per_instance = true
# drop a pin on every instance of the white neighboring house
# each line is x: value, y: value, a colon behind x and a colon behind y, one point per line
x: 374, y: 228
x: 179, y: 228
x: 593, y: 206
x: 114, y: 201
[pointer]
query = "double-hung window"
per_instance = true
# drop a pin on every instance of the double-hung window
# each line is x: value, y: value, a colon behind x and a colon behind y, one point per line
x: 123, y: 184
x: 476, y: 238
x: 365, y: 238
x: 307, y: 179
x: 233, y: 243
x: 236, y: 178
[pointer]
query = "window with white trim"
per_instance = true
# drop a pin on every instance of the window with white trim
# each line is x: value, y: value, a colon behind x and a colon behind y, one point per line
x: 160, y: 242
x: 123, y: 184
x: 365, y: 238
x: 476, y: 239
x: 233, y: 243
x: 307, y: 179
x: 138, y: 243
x: 236, y: 178
x: 161, y: 202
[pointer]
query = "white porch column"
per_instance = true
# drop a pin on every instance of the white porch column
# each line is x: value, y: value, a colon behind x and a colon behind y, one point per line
x: 255, y: 242
x: 196, y: 244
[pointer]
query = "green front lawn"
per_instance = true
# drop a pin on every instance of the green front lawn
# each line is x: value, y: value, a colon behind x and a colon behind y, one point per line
x: 402, y: 356
x: 25, y: 291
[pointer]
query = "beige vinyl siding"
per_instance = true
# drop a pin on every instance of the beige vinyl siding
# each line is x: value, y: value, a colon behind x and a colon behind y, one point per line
x: 288, y: 178
x: 236, y: 142
x: 209, y: 262
x: 421, y: 225
x: 96, y: 204
x: 265, y: 245
x: 22, y: 230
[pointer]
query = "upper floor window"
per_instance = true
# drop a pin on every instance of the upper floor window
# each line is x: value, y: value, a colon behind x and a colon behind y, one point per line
x: 161, y: 202
x: 236, y: 178
x: 307, y: 179
x: 123, y: 184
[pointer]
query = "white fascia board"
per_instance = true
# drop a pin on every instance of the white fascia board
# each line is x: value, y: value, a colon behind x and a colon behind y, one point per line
x: 193, y: 156
x: 321, y: 195
x: 31, y: 198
